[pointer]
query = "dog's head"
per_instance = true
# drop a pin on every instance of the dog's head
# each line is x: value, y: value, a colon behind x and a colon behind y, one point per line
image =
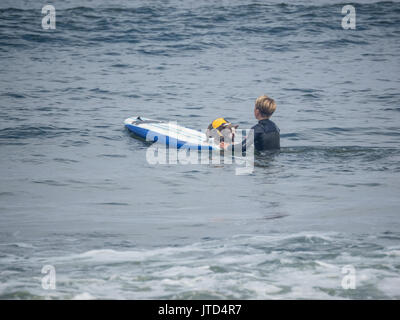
x: 222, y: 131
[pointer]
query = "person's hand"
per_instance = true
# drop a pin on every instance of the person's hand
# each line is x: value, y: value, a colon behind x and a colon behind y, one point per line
x: 223, y: 145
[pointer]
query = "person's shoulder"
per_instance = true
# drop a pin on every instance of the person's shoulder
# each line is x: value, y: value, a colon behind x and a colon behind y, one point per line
x: 257, y: 127
x: 273, y: 125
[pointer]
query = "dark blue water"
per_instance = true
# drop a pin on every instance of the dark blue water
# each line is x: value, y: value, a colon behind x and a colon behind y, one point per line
x: 77, y: 193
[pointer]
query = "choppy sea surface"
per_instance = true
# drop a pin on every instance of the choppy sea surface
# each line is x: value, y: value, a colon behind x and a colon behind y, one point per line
x: 77, y: 193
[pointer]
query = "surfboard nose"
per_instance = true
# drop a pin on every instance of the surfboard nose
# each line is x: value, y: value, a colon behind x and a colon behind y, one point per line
x: 129, y: 120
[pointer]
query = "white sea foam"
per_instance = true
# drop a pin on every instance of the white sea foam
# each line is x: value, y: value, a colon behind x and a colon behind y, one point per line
x: 243, y: 267
x: 390, y: 286
x: 83, y: 296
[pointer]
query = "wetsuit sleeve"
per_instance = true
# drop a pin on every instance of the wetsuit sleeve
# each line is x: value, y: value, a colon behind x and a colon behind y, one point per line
x: 246, y: 142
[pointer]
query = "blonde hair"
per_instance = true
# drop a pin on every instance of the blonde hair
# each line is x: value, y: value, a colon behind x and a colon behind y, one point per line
x: 266, y: 105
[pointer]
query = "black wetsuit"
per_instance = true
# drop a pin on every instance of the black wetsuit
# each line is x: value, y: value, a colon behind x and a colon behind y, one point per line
x: 266, y: 135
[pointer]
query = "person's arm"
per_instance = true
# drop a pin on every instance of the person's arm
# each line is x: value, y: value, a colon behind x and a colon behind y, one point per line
x: 245, y: 144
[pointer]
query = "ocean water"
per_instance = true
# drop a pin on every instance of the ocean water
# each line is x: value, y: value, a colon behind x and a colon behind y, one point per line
x: 77, y: 193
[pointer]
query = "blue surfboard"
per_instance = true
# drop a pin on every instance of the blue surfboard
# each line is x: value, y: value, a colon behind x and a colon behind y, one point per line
x: 169, y: 133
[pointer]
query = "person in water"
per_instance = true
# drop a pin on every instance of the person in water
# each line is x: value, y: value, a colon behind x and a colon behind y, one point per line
x: 265, y: 134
